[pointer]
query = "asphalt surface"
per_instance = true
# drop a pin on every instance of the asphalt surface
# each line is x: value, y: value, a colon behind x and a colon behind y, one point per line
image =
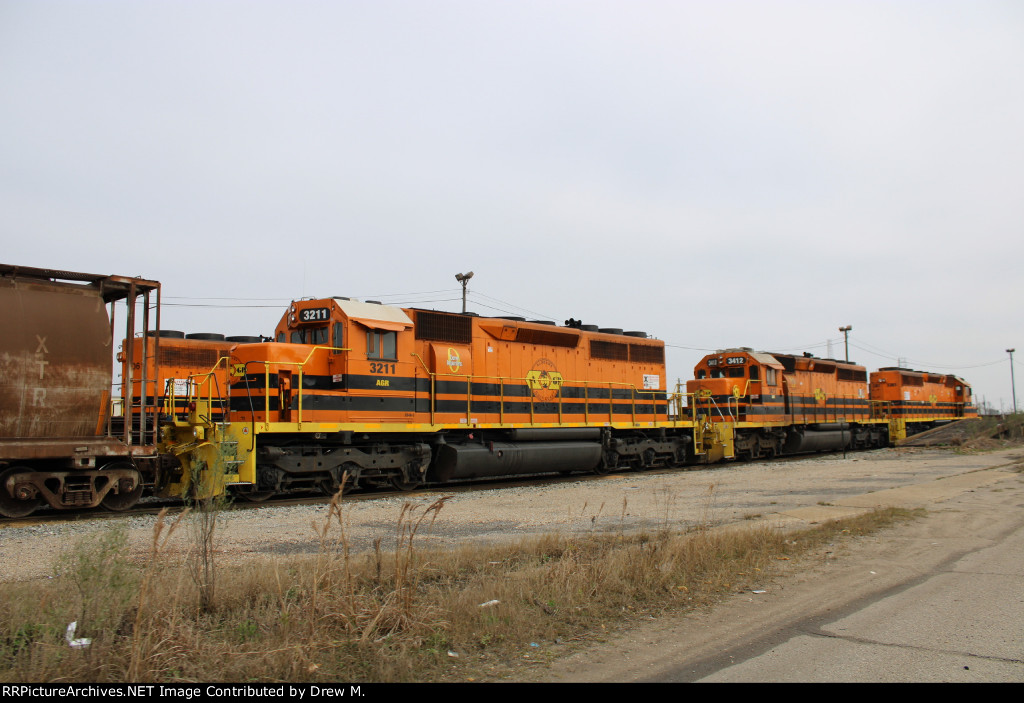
x: 938, y: 600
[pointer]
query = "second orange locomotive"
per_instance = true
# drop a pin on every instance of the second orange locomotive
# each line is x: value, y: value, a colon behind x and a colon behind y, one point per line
x: 784, y: 404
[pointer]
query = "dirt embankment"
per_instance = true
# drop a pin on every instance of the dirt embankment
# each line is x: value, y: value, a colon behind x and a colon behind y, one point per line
x: 981, y: 434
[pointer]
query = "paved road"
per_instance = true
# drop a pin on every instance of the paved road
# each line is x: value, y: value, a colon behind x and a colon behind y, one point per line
x: 941, y: 599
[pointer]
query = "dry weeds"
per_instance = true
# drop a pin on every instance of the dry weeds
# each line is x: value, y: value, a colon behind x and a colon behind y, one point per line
x: 994, y: 432
x: 404, y: 613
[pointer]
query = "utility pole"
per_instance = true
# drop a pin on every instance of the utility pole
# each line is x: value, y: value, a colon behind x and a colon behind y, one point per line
x: 463, y: 278
x: 846, y: 339
x: 1013, y: 382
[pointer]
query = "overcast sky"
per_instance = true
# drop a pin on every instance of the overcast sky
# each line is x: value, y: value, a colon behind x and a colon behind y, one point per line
x: 717, y: 174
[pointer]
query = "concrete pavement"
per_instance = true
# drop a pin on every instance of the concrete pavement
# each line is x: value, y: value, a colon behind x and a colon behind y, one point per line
x: 960, y: 620
x: 938, y: 599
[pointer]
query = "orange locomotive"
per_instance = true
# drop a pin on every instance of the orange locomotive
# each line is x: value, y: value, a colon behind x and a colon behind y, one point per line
x: 784, y: 404
x: 366, y: 394
x: 177, y: 366
x: 779, y: 403
x: 922, y: 398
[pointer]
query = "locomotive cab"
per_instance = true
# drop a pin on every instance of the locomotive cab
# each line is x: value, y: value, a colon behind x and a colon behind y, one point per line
x: 330, y: 355
x: 730, y: 381
x: 962, y: 395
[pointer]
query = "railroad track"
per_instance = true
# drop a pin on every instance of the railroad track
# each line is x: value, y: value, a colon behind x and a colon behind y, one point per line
x: 153, y: 506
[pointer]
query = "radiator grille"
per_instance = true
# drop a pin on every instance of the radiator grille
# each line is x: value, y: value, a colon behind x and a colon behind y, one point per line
x: 439, y: 327
x: 646, y: 354
x: 190, y: 357
x: 613, y: 351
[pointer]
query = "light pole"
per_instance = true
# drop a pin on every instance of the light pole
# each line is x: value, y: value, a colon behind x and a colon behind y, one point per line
x: 1013, y: 382
x: 463, y: 278
x: 846, y: 339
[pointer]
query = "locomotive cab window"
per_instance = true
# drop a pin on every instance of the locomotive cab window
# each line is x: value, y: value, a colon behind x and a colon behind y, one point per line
x: 381, y: 345
x: 736, y: 372
x: 317, y: 335
x: 339, y: 337
x: 769, y: 374
x: 755, y: 373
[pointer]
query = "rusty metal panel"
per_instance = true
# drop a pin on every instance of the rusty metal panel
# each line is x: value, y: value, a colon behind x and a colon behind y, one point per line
x: 109, y: 287
x: 55, y: 360
x: 73, y: 448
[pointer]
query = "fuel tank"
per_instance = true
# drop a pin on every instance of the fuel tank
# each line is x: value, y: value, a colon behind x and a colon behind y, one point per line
x: 459, y: 461
x: 810, y: 440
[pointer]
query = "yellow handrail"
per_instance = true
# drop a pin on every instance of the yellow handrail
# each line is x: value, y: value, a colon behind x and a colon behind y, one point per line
x: 637, y: 397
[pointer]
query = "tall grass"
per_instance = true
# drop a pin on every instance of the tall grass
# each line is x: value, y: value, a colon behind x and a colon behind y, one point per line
x: 988, y: 433
x: 400, y: 612
x: 202, y: 528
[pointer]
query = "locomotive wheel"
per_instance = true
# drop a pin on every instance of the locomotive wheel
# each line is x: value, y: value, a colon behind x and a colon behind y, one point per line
x: 644, y: 461
x: 348, y: 475
x: 402, y: 485
x: 268, y: 484
x: 253, y: 496
x: 125, y: 499
x: 328, y: 488
x: 649, y: 457
x: 11, y: 506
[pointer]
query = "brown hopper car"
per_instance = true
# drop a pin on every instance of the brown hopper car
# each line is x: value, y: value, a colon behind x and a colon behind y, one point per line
x: 59, y: 444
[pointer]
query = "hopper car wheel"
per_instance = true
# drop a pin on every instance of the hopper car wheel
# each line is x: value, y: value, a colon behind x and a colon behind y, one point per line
x: 11, y: 506
x: 126, y: 498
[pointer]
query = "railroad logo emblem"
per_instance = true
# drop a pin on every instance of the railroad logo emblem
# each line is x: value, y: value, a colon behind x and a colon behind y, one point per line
x: 933, y: 399
x: 544, y: 380
x: 704, y: 393
x: 454, y: 361
x: 819, y: 395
